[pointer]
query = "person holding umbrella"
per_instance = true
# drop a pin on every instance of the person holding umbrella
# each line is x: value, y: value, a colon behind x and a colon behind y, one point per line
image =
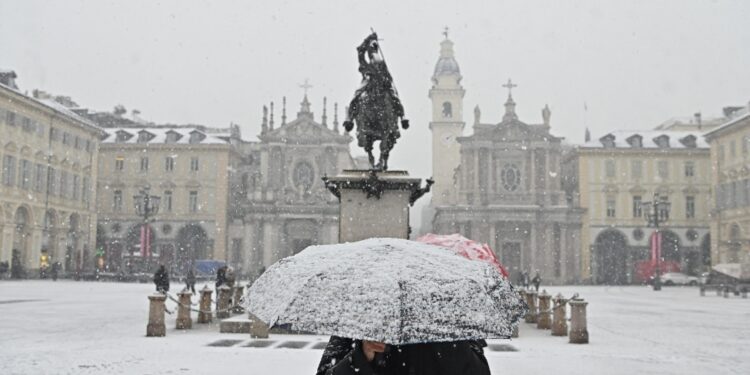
x: 388, y: 304
x: 361, y: 357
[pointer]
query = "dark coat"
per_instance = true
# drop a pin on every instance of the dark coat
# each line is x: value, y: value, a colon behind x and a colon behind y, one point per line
x: 345, y: 357
x: 221, y: 276
x: 161, y: 279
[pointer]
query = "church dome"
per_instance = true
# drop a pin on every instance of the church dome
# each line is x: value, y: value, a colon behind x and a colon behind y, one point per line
x: 447, y: 64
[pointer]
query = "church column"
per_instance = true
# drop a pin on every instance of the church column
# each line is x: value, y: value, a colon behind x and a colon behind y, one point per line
x: 477, y: 188
x: 565, y: 259
x: 530, y: 257
x: 248, y: 244
x: 268, y: 245
x: 546, y: 266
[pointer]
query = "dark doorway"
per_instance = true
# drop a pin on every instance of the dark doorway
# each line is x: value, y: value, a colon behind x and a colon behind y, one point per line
x: 611, y: 258
x: 511, y: 259
x: 192, y: 244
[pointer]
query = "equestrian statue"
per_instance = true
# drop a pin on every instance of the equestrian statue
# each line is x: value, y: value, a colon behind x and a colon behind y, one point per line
x: 376, y: 107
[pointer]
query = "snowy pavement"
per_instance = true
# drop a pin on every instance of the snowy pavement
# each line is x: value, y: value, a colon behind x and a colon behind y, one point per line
x: 69, y: 327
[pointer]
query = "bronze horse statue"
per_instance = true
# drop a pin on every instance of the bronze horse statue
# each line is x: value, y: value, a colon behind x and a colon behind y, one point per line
x: 376, y: 107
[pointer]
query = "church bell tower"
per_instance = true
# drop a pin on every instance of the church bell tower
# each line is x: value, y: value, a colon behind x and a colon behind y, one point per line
x: 447, y: 124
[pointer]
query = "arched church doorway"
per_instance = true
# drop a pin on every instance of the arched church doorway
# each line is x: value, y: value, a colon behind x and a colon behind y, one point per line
x: 192, y: 244
x: 611, y: 256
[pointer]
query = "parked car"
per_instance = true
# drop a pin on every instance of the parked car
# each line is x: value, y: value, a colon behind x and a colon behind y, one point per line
x: 678, y: 278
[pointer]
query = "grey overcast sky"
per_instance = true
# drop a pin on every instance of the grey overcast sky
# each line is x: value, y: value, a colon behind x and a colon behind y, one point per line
x: 635, y: 63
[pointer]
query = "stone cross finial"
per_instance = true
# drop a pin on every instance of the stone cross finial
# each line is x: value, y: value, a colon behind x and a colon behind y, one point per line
x: 445, y: 32
x: 510, y: 85
x: 306, y: 85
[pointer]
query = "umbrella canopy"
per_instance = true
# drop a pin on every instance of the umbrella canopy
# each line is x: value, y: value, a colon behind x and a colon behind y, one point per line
x: 388, y: 290
x: 465, y: 247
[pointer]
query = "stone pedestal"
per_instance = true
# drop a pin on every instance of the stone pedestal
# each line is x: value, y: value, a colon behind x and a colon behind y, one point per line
x: 204, y: 316
x: 374, y: 203
x: 258, y: 328
x: 238, y: 292
x: 544, y: 321
x: 156, y: 326
x: 559, y: 324
x: 531, y: 302
x: 222, y: 302
x: 579, y: 333
x: 184, y: 321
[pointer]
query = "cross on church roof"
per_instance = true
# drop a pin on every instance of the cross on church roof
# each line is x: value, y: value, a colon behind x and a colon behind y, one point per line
x: 306, y: 86
x: 510, y: 85
x: 445, y: 32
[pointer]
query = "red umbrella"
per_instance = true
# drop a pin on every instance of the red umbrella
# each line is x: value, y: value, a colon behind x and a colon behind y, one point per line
x: 465, y: 247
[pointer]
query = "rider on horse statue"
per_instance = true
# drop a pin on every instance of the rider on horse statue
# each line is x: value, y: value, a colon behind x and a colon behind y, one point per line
x: 376, y: 107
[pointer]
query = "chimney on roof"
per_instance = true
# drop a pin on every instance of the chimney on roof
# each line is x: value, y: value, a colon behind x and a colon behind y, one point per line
x: 729, y: 111
x: 698, y: 121
x: 8, y: 78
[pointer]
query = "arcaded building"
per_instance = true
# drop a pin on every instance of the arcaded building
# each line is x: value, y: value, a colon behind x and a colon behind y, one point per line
x: 49, y: 159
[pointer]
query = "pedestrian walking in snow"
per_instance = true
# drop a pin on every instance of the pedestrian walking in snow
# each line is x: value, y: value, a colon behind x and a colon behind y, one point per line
x: 537, y: 280
x: 161, y: 279
x: 525, y: 278
x: 190, y: 280
x: 221, y: 276
x: 229, y: 277
x: 55, y: 270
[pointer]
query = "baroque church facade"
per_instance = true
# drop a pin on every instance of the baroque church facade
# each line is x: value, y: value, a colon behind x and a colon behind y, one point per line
x: 280, y: 203
x: 502, y: 184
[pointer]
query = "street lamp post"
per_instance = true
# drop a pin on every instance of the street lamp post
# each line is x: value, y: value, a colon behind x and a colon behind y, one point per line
x: 146, y: 206
x: 653, y: 210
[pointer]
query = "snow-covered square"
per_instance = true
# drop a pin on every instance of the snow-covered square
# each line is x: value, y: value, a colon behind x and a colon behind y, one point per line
x: 69, y: 327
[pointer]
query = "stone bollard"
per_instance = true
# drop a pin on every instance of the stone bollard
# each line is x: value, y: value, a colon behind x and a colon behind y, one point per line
x: 531, y: 302
x: 544, y: 321
x: 726, y: 292
x: 703, y: 290
x: 559, y: 322
x: 238, y: 292
x: 156, y: 326
x: 579, y: 334
x: 743, y: 292
x: 718, y: 290
x: 514, y: 333
x: 184, y: 321
x: 222, y: 303
x: 258, y: 329
x: 204, y: 316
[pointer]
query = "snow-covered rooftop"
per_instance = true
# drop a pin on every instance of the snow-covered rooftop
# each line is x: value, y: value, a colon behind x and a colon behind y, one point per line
x: 649, y: 139
x: 734, y: 118
x: 49, y: 103
x: 165, y: 135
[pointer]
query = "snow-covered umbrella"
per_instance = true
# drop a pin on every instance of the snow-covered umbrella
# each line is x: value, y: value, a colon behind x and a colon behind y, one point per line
x: 388, y: 290
x: 465, y: 247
